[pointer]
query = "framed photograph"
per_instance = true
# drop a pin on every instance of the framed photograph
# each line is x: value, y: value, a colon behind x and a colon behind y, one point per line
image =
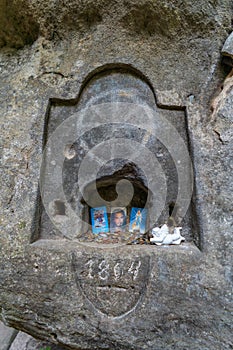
x: 99, y: 220
x: 138, y: 218
x: 118, y: 219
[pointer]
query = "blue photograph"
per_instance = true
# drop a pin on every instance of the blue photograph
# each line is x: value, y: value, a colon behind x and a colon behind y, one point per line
x: 99, y: 220
x: 138, y: 218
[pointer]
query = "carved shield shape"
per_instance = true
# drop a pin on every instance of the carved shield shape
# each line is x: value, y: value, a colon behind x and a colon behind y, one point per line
x: 114, y: 286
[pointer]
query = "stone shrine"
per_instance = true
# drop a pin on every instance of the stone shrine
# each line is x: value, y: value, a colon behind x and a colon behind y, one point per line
x: 117, y: 104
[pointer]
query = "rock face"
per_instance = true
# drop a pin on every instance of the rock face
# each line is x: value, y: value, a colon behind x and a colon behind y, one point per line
x: 26, y: 342
x: 7, y: 335
x: 99, y: 296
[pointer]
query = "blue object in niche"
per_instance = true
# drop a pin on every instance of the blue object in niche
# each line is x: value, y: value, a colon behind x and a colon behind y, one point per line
x: 138, y: 218
x: 99, y: 220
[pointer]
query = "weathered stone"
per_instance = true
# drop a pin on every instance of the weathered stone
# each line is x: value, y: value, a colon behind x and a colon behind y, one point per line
x: 7, y: 336
x: 24, y: 341
x: 23, y: 20
x: 228, y: 46
x: 227, y: 51
x: 113, y: 296
x: 17, y: 27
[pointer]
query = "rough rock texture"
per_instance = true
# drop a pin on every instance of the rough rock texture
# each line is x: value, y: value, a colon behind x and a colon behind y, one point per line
x: 127, y: 297
x: 11, y: 339
x: 26, y: 342
x: 228, y: 46
x: 23, y: 20
x: 227, y: 51
x: 7, y: 335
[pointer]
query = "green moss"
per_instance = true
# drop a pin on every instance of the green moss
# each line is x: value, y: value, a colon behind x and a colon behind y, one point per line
x: 22, y: 224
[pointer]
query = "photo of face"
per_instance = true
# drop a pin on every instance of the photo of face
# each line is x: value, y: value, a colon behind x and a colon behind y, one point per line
x: 118, y: 220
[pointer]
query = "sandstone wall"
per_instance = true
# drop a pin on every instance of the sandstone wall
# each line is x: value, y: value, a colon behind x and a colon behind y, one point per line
x: 49, y: 50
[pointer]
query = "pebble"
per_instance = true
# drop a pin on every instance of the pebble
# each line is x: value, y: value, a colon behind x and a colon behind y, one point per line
x: 118, y: 237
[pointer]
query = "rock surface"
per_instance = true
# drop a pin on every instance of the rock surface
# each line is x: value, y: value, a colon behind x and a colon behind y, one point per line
x: 228, y: 46
x: 11, y: 339
x: 24, y: 341
x: 7, y: 336
x: 121, y: 297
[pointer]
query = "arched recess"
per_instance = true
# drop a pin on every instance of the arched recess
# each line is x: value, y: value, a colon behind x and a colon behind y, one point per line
x: 111, y: 85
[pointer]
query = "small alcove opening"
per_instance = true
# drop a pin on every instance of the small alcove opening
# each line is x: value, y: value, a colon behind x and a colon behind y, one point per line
x: 109, y: 197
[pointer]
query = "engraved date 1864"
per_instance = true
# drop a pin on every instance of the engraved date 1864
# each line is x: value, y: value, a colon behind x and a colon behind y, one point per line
x: 104, y: 269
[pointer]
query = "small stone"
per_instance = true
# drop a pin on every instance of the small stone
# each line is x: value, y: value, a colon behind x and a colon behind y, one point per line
x: 227, y: 49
